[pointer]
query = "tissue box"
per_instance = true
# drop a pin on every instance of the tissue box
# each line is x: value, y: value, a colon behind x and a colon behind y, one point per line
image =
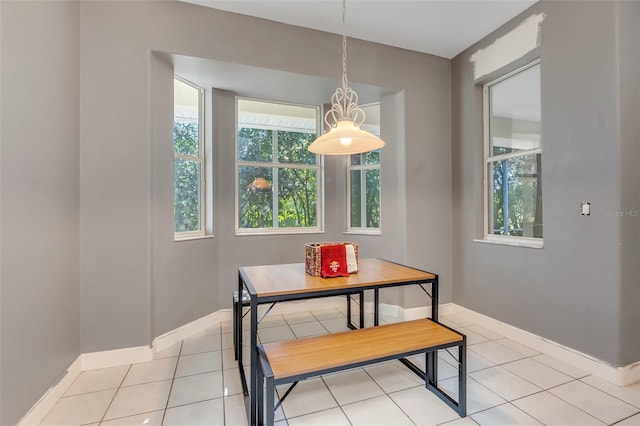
x: 313, y: 259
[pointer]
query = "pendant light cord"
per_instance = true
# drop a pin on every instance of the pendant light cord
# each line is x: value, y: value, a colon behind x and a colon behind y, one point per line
x: 345, y: 81
x: 344, y: 102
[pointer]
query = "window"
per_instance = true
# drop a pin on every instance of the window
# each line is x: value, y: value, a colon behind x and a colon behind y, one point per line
x: 513, y: 155
x: 278, y: 179
x: 188, y: 160
x: 363, y: 180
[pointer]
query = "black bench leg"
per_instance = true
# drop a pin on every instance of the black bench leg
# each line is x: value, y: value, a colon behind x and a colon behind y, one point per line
x: 236, y: 309
x: 462, y: 378
x: 260, y: 394
x: 271, y: 388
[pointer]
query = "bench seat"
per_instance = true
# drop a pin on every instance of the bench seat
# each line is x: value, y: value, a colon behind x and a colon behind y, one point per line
x: 293, y: 360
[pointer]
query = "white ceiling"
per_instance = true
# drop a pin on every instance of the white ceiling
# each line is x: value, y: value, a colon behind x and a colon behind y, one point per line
x: 439, y: 27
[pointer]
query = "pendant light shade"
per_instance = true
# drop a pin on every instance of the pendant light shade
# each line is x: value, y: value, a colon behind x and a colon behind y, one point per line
x: 344, y: 139
x: 343, y: 120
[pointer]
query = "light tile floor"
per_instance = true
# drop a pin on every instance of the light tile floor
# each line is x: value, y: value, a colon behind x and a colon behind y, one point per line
x: 197, y: 383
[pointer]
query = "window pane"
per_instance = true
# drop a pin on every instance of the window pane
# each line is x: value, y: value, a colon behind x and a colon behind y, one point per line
x: 185, y: 138
x: 186, y: 195
x: 516, y: 197
x: 274, y: 196
x: 292, y: 147
x: 255, y: 144
x: 186, y: 118
x: 297, y: 198
x: 356, y: 159
x: 514, y: 120
x: 255, y: 196
x: 356, y: 198
x: 372, y: 157
x: 373, y: 198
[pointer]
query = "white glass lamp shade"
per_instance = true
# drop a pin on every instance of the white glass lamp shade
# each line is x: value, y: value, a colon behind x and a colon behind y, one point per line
x: 344, y: 139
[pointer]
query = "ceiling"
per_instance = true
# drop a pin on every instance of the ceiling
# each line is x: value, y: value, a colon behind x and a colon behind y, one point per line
x: 439, y: 27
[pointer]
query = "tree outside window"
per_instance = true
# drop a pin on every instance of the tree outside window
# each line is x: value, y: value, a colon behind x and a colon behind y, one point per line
x: 188, y: 166
x: 278, y: 185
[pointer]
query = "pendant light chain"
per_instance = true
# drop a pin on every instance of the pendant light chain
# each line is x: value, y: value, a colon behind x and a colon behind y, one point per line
x: 343, y: 120
x: 344, y: 102
x: 345, y: 80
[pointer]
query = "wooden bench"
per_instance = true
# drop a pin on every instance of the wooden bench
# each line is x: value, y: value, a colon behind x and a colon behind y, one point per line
x: 294, y: 360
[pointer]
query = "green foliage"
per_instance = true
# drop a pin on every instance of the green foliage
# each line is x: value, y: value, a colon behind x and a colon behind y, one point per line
x: 186, y: 176
x: 523, y: 202
x: 256, y: 197
x: 185, y: 138
x: 255, y: 145
x: 372, y: 191
x: 297, y: 187
x: 372, y: 198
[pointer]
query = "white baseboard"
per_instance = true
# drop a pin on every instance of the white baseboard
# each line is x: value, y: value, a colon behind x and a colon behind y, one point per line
x: 51, y: 397
x: 425, y: 311
x: 169, y: 339
x: 621, y: 376
x: 114, y: 358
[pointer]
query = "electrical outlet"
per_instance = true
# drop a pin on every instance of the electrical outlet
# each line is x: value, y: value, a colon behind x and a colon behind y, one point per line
x: 585, y: 209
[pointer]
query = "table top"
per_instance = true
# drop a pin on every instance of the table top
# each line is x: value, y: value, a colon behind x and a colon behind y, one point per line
x: 288, y: 279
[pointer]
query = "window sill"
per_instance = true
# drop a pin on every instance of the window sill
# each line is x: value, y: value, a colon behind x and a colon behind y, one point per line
x: 278, y: 232
x: 363, y: 232
x: 514, y: 242
x: 192, y: 238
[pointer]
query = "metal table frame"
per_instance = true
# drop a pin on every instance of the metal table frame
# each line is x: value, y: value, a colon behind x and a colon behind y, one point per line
x: 256, y: 299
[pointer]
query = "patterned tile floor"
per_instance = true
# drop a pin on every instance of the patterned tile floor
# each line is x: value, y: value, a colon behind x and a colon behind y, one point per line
x: 196, y: 382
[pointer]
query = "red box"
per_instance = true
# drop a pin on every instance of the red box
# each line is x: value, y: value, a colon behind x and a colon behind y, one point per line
x: 313, y: 260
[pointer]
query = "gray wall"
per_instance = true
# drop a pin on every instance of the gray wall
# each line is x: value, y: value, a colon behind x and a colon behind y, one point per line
x: 628, y: 15
x: 572, y: 290
x: 40, y: 206
x: 136, y: 281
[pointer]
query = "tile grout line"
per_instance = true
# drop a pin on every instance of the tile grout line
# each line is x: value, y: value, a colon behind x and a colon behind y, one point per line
x: 388, y: 395
x: 607, y: 393
x: 173, y: 379
x: 114, y: 395
x: 556, y: 396
x: 573, y: 405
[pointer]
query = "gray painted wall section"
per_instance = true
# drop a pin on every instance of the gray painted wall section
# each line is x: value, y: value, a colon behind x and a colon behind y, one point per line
x: 40, y: 205
x: 136, y: 281
x: 628, y: 15
x: 571, y: 290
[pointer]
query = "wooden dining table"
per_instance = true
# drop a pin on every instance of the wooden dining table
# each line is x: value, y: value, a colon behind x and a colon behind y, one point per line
x: 287, y: 282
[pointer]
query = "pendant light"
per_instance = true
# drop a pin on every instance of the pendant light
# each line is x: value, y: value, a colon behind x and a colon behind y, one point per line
x: 345, y: 117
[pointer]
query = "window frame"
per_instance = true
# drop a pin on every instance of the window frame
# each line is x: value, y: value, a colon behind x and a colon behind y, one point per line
x: 200, y: 159
x: 488, y: 159
x: 363, y: 194
x: 274, y: 166
x: 363, y: 230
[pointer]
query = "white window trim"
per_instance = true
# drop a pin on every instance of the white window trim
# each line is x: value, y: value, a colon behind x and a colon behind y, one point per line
x: 319, y: 167
x: 488, y: 236
x: 201, y: 233
x: 362, y: 230
x: 363, y: 195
